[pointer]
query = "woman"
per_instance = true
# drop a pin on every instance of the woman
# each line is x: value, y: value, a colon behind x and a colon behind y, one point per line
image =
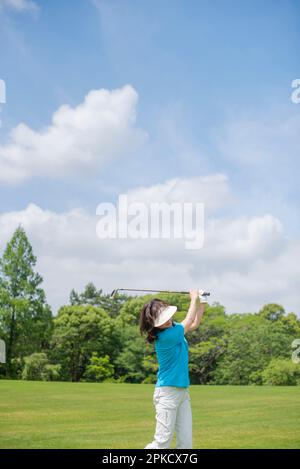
x: 171, y: 395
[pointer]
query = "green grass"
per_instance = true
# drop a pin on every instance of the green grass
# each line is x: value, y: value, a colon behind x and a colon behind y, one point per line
x: 83, y: 415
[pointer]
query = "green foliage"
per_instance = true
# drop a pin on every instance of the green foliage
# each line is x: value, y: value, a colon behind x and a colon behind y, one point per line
x: 281, y: 372
x: 25, y: 317
x: 272, y: 312
x: 94, y: 297
x: 130, y: 362
x: 17, y: 365
x: 99, y: 369
x: 130, y: 311
x: 203, y: 359
x: 38, y: 368
x: 207, y: 344
x: 79, y: 331
x: 150, y: 366
x: 252, y: 342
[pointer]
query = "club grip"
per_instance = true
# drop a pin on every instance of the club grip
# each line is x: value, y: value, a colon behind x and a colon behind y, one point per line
x: 206, y: 293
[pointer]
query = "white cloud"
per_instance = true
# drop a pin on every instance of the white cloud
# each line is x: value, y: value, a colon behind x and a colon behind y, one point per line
x: 245, y: 261
x: 212, y: 190
x: 79, y: 140
x: 261, y: 155
x: 20, y: 5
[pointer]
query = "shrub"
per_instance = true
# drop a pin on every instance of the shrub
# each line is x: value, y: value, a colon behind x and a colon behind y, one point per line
x: 38, y: 368
x: 99, y: 369
x: 281, y: 372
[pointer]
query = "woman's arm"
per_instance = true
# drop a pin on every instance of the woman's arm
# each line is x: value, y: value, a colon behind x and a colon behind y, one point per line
x: 191, y: 314
x: 198, y: 318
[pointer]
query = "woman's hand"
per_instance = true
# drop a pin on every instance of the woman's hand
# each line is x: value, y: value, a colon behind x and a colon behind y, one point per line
x: 194, y: 294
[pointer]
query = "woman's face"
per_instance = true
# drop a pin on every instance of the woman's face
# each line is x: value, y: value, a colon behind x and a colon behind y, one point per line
x: 167, y: 324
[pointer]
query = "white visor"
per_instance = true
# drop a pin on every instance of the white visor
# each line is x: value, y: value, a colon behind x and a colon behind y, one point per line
x: 165, y: 315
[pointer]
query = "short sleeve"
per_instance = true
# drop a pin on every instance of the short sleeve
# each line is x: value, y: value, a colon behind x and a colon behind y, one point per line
x: 172, y: 336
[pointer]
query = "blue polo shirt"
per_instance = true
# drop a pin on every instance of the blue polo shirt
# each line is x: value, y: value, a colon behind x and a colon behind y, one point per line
x: 173, y: 357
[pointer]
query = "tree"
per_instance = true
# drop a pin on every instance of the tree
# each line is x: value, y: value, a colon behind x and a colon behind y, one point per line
x: 38, y: 368
x: 207, y: 343
x: 150, y: 366
x: 79, y: 331
x: 129, y: 364
x: 253, y: 341
x: 25, y: 317
x: 281, y: 372
x: 92, y: 296
x: 99, y: 369
x: 272, y: 312
x: 204, y: 357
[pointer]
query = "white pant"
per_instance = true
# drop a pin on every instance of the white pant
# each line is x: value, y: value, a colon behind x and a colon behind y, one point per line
x: 173, y: 413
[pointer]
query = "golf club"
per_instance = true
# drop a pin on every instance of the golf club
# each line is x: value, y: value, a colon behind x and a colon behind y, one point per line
x: 114, y: 292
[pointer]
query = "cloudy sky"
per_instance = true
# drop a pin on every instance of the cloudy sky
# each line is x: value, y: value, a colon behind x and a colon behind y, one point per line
x: 174, y: 101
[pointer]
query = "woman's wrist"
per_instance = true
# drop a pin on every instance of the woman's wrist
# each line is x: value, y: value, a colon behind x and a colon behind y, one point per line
x: 202, y: 297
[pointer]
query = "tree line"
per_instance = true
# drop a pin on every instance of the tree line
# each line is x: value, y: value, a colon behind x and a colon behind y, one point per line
x: 96, y: 338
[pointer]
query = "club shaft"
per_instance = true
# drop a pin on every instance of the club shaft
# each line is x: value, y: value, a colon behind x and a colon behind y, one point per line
x: 156, y: 291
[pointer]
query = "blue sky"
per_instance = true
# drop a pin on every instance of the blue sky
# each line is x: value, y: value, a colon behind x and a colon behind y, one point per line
x: 210, y: 59
x: 213, y: 81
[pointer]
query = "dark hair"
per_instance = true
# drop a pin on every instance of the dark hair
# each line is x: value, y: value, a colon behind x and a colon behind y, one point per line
x: 148, y: 315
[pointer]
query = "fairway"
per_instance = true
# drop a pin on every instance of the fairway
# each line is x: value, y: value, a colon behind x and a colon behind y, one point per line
x: 83, y: 415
